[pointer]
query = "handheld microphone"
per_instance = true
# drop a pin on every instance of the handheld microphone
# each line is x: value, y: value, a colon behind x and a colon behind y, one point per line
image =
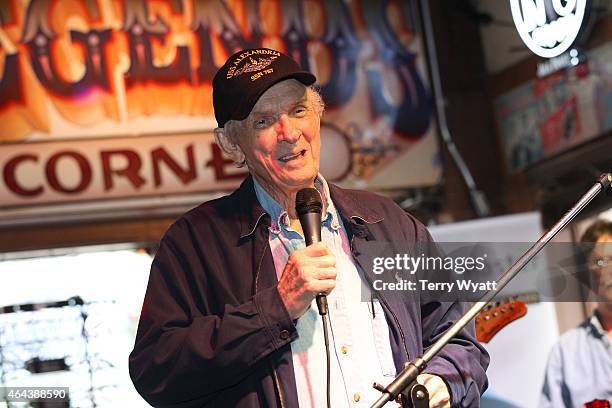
x: 308, y: 207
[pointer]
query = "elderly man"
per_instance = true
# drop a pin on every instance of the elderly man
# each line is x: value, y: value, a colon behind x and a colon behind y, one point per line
x: 228, y: 319
x: 579, y: 368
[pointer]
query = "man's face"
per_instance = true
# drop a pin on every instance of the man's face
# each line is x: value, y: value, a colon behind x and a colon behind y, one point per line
x: 281, y: 138
x: 600, y: 261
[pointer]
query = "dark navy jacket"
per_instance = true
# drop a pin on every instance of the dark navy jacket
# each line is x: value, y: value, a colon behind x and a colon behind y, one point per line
x: 214, y: 331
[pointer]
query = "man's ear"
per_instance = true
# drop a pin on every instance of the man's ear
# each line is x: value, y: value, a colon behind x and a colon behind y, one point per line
x: 229, y: 147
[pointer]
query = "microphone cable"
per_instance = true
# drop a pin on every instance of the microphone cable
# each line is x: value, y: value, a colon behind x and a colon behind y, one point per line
x: 327, y: 356
x: 323, y: 312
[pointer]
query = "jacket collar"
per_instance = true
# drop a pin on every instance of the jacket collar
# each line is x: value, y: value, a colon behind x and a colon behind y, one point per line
x: 348, y: 203
x: 250, y: 212
x: 352, y: 206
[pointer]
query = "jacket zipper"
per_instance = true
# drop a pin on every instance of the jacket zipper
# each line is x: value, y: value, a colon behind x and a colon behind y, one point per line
x: 281, y: 398
x: 381, y: 297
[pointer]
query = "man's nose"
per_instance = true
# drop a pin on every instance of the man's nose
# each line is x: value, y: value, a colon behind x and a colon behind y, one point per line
x: 287, y: 130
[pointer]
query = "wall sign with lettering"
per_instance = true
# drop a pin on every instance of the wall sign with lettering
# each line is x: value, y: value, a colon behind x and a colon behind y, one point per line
x: 97, y: 96
x: 549, y: 27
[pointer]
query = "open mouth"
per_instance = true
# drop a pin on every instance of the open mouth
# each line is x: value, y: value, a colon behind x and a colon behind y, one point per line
x: 288, y: 157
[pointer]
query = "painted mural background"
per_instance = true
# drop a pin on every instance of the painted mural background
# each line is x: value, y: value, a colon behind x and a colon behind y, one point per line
x: 112, y: 98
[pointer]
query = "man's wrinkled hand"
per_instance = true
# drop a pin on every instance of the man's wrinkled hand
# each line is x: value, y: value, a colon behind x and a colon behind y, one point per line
x: 309, y: 271
x: 439, y: 394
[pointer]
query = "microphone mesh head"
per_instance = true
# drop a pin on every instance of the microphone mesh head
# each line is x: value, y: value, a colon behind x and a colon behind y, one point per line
x: 308, y: 200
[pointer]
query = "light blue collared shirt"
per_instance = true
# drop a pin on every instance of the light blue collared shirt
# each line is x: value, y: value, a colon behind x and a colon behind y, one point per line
x: 579, y: 367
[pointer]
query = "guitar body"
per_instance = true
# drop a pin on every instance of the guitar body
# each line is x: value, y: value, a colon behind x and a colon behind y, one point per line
x: 597, y: 404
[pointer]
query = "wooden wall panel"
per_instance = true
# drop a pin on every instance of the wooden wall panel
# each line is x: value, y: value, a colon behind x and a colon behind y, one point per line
x: 70, y: 235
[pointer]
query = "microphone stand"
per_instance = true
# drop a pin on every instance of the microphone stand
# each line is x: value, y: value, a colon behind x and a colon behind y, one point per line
x: 405, y: 383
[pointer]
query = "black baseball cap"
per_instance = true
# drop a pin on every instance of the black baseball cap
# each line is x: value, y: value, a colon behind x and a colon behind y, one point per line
x: 246, y: 75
